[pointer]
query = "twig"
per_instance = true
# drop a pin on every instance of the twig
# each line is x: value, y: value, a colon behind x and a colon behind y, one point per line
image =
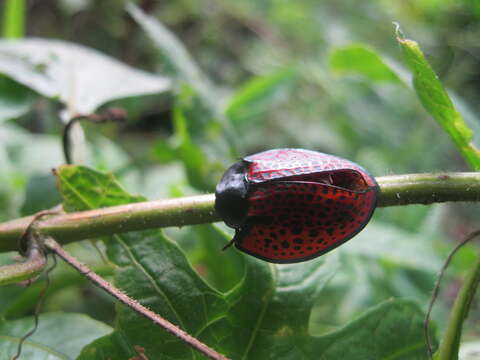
x: 395, y: 190
x: 26, y: 241
x: 111, y: 114
x: 51, y: 244
x: 31, y: 267
x: 462, y: 303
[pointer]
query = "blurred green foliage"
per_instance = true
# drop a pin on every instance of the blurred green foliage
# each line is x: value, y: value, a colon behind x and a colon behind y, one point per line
x: 221, y: 79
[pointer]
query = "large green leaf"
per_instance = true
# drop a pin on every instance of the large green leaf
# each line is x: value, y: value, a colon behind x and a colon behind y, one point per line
x: 153, y: 270
x: 79, y: 77
x: 59, y: 336
x: 392, y: 330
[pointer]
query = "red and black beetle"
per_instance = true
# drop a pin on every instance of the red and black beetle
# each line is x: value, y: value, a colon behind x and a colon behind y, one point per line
x: 292, y: 205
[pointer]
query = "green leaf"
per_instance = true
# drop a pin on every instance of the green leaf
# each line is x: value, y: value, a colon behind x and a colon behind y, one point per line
x: 83, y: 188
x: 59, y: 336
x: 41, y: 193
x: 206, y: 121
x: 79, y: 77
x: 200, y: 141
x: 272, y: 306
x: 257, y: 96
x: 164, y: 152
x: 360, y: 59
x: 174, y: 53
x: 224, y: 274
x: 154, y: 271
x: 15, y: 99
x: 387, y: 243
x: 437, y: 102
x: 391, y: 330
x: 196, y: 163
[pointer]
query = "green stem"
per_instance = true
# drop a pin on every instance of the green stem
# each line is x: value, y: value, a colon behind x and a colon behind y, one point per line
x: 31, y: 267
x: 14, y: 19
x: 395, y: 190
x: 450, y: 343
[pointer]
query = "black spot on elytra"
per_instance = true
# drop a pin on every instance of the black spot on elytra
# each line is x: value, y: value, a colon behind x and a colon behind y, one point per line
x: 298, y: 241
x: 267, y: 242
x: 297, y: 230
x: 329, y: 201
x: 319, y: 241
x: 296, y: 248
x: 329, y: 231
x: 273, y: 235
x: 285, y: 244
x: 325, y: 190
x: 275, y: 247
x: 313, y: 233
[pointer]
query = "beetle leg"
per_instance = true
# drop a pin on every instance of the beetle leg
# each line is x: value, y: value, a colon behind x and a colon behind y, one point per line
x: 230, y: 243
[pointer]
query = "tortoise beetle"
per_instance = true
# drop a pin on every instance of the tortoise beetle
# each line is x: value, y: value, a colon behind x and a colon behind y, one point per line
x: 292, y: 205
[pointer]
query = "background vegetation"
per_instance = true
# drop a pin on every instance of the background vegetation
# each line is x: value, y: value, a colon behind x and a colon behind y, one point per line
x: 208, y: 82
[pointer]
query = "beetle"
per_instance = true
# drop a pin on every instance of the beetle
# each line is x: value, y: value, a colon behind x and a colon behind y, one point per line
x: 292, y: 205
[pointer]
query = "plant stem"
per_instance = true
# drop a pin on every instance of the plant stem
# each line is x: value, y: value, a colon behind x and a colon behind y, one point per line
x: 13, y: 19
x: 395, y: 190
x: 31, y: 267
x: 450, y: 343
x: 51, y: 244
